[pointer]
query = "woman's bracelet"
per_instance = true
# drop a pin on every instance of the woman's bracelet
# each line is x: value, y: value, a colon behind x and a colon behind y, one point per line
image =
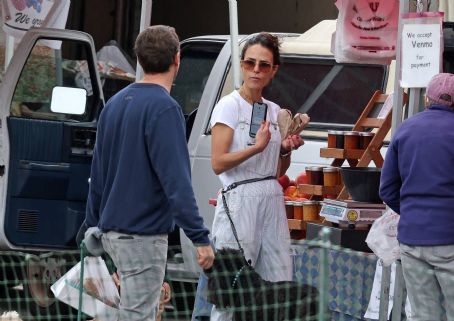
x: 285, y: 155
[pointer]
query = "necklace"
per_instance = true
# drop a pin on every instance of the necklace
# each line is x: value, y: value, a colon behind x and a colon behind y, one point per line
x: 247, y: 97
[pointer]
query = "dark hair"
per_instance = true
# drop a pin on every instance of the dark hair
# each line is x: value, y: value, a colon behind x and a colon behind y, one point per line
x: 156, y: 48
x: 266, y: 40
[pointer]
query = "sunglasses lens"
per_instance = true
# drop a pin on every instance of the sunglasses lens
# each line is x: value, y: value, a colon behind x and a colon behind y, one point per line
x: 248, y: 64
x: 264, y: 67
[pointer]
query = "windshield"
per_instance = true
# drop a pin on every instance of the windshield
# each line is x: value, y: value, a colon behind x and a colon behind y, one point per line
x: 197, y: 60
x: 327, y: 91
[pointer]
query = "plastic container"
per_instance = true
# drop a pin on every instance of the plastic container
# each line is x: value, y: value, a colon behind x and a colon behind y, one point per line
x: 298, y: 210
x: 331, y: 176
x: 351, y: 140
x: 310, y: 210
x: 362, y: 183
x: 315, y: 175
x: 365, y: 138
x: 289, y: 209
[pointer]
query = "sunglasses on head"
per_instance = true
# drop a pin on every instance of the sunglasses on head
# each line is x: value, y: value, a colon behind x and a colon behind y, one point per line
x: 249, y: 65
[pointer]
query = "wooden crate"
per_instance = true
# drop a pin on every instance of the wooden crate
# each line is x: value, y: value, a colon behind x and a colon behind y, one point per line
x: 299, y: 224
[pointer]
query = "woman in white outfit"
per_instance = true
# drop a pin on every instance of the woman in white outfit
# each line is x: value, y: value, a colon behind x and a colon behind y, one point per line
x: 257, y: 209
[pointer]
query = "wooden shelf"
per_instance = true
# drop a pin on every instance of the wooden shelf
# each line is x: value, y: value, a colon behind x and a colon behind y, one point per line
x: 299, y: 224
x: 319, y: 189
x: 341, y: 153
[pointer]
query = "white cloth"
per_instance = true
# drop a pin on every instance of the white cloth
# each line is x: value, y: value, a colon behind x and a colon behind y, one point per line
x: 257, y: 209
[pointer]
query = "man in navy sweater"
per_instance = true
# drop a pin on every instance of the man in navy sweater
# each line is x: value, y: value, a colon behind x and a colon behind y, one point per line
x: 417, y: 182
x: 140, y: 178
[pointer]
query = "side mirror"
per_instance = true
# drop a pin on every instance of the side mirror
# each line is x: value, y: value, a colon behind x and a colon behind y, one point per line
x: 68, y: 100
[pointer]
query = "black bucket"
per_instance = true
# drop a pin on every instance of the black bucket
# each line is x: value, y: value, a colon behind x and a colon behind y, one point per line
x: 362, y: 183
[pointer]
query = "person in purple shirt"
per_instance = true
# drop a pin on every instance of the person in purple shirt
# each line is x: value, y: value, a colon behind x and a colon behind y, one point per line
x: 417, y: 182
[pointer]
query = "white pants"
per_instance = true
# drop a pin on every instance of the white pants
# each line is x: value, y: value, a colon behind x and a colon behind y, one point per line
x: 258, y: 213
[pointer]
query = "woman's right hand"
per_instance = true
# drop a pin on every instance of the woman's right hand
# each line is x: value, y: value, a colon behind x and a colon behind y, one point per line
x: 263, y: 136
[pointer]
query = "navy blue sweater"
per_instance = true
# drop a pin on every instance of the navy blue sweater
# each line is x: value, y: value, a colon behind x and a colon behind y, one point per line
x: 140, y: 175
x: 417, y: 179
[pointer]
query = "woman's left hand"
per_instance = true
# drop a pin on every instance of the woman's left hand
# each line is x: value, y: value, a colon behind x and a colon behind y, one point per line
x: 292, y: 142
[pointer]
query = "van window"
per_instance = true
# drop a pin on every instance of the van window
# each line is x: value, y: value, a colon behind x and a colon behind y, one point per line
x: 197, y: 60
x: 333, y: 95
x: 448, y: 54
x: 46, y: 68
x: 328, y: 92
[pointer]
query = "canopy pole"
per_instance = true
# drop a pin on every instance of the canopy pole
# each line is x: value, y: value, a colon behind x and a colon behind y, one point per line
x: 233, y: 19
x: 9, y: 49
x: 398, y: 96
x: 145, y: 20
x: 416, y: 103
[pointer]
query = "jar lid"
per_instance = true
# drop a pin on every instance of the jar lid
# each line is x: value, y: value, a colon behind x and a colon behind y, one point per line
x: 298, y: 203
x: 335, y: 132
x: 330, y: 169
x: 309, y: 202
x: 366, y: 134
x: 351, y: 133
x: 289, y: 202
x: 314, y: 168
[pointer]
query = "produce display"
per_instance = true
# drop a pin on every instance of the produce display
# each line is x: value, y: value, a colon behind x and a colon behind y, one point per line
x: 290, y: 187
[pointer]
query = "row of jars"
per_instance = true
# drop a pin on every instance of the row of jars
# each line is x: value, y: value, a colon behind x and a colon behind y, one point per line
x: 303, y: 210
x: 349, y: 139
x: 327, y: 176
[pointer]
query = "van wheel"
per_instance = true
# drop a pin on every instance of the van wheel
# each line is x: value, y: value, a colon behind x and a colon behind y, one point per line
x: 40, y: 274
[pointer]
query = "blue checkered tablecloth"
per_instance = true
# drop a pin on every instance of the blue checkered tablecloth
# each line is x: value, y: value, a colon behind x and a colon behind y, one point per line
x: 351, y: 275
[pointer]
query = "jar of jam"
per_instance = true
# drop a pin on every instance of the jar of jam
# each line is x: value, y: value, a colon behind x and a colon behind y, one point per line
x: 298, y: 210
x: 310, y: 210
x: 335, y: 139
x: 331, y: 176
x: 351, y: 140
x: 289, y: 209
x: 331, y: 139
x: 365, y: 138
x: 315, y: 175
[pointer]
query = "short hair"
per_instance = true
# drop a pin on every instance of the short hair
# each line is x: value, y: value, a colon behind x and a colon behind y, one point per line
x: 266, y: 40
x: 156, y: 48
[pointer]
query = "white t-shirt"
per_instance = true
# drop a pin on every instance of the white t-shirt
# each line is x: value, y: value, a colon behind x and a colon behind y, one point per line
x: 235, y: 112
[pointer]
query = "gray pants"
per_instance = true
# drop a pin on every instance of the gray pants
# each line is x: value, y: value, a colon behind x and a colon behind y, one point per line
x: 429, y: 278
x: 140, y: 262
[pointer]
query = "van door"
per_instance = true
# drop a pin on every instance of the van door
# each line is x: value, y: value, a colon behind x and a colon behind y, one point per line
x: 47, y: 138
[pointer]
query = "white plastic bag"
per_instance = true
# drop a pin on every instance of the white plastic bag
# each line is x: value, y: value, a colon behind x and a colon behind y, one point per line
x: 100, y: 297
x: 382, y: 237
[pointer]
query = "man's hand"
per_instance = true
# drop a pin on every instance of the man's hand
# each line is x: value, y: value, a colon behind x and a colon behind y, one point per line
x: 205, y: 256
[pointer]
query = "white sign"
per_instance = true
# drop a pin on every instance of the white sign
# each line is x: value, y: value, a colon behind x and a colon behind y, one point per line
x: 21, y: 15
x: 421, y: 53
